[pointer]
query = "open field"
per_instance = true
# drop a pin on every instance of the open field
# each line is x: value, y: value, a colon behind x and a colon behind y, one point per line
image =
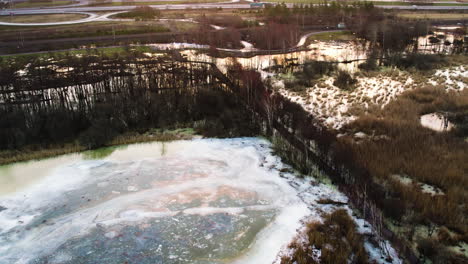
x: 42, y: 18
x: 434, y: 16
x: 92, y: 29
x: 42, y: 4
x: 332, y: 36
x: 103, y: 50
x: 381, y: 3
x: 157, y: 3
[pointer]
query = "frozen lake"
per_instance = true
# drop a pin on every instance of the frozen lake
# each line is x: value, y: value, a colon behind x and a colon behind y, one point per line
x: 198, y: 201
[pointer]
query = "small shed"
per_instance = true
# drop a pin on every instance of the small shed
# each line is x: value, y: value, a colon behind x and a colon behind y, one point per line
x: 257, y: 5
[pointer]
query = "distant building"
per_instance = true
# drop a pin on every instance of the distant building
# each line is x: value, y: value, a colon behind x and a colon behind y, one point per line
x: 257, y: 4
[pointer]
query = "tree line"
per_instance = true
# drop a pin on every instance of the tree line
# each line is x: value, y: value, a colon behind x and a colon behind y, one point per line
x: 47, y: 100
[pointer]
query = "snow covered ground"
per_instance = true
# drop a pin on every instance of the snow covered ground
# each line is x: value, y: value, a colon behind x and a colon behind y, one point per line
x: 332, y: 105
x: 436, y: 122
x: 311, y: 192
x: 454, y: 78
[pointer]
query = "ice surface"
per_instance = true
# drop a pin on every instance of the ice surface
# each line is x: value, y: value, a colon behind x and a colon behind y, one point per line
x: 199, y: 201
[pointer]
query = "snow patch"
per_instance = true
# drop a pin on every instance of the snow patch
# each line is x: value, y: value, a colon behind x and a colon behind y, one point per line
x: 436, y: 122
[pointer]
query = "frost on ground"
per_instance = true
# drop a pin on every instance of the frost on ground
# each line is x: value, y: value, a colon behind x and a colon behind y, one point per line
x: 454, y: 78
x: 424, y: 187
x: 336, y: 107
x: 332, y: 105
x: 312, y: 192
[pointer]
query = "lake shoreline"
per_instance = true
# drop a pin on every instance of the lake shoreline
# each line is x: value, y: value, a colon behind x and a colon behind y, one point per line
x: 34, y: 152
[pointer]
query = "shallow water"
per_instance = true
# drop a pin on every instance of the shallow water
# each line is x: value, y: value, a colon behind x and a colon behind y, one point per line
x: 317, y: 50
x: 199, y: 201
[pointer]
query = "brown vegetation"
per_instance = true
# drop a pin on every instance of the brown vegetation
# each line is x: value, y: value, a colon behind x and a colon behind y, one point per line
x: 399, y: 145
x: 141, y: 13
x: 396, y: 144
x: 336, y: 239
x: 275, y: 36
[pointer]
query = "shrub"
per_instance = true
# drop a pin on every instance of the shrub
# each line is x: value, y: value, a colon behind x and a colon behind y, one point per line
x: 410, y: 150
x: 369, y: 65
x: 427, y: 247
x: 344, y: 80
x: 98, y: 134
x: 336, y: 238
x: 141, y: 12
x: 422, y: 62
x: 444, y: 236
x: 317, y: 69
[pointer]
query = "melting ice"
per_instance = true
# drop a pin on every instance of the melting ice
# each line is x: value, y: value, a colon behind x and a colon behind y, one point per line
x: 199, y: 201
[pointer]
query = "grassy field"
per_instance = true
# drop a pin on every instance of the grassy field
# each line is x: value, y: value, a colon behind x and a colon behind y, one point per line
x: 157, y: 3
x: 375, y: 2
x: 434, y: 16
x: 341, y: 35
x: 41, y: 18
x: 30, y: 4
x: 103, y: 50
x: 92, y: 29
x: 181, y: 26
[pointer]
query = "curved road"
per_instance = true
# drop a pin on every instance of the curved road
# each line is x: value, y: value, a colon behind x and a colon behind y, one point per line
x: 94, y: 17
x: 91, y: 17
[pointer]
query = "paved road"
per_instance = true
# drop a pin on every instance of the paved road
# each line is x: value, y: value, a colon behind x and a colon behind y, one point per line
x: 233, y: 4
x: 91, y: 17
x: 229, y: 5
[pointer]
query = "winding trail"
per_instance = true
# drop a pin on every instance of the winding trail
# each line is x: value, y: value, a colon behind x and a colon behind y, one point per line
x: 248, y: 47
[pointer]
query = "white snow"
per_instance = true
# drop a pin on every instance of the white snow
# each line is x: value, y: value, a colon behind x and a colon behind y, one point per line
x: 454, y: 78
x: 332, y: 104
x: 424, y: 187
x: 217, y: 27
x: 177, y: 45
x: 311, y: 192
x: 436, y: 122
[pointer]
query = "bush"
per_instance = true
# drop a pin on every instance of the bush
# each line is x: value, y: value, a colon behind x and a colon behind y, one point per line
x: 422, y: 62
x: 369, y: 65
x: 98, y: 134
x: 427, y: 247
x: 317, y: 69
x: 336, y: 238
x: 444, y: 237
x: 224, y: 21
x: 409, y: 149
x: 344, y: 80
x: 141, y: 12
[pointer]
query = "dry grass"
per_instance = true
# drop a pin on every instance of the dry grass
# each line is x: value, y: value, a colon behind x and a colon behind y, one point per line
x: 434, y: 16
x: 92, y: 29
x: 42, y: 18
x: 336, y: 239
x: 332, y: 36
x: 32, y: 4
x: 400, y: 145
